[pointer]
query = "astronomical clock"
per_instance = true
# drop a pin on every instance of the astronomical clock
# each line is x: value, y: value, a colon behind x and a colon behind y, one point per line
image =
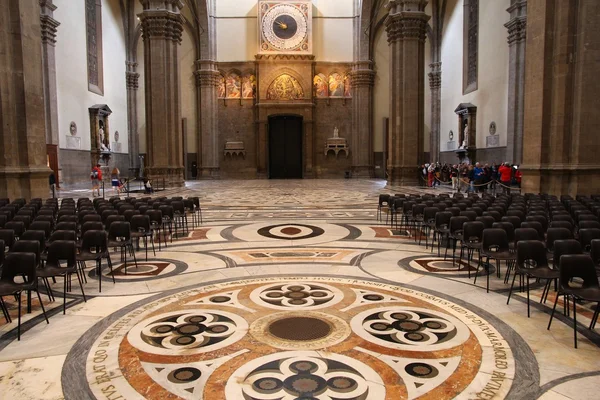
x: 285, y: 27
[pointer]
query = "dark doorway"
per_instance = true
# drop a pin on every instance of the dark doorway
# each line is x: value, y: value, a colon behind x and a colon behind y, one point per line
x: 285, y: 147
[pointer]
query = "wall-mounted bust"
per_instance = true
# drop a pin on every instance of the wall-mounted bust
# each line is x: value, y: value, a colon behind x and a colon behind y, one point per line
x: 73, y: 128
x: 116, y: 136
x: 492, y: 128
x: 451, y: 136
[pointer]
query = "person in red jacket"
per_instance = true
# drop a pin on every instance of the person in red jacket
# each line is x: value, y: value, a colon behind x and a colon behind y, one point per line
x: 505, y: 172
x: 96, y: 177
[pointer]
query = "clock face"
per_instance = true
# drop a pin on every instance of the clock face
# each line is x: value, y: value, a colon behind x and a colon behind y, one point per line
x: 285, y: 27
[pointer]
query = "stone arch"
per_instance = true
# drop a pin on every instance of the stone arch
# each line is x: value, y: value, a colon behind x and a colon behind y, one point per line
x: 272, y: 75
x: 285, y: 87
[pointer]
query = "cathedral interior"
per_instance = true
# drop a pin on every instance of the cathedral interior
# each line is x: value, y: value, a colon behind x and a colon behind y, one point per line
x: 259, y: 226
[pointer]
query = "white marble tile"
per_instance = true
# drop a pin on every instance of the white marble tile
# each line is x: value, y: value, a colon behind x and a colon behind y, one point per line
x: 32, y: 379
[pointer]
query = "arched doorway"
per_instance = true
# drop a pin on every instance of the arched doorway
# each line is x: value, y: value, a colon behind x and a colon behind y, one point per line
x: 285, y: 147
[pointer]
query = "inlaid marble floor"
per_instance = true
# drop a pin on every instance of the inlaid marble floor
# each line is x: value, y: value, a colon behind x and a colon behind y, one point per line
x: 294, y: 290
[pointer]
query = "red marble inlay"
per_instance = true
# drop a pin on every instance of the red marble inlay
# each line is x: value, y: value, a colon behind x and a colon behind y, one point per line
x: 291, y: 231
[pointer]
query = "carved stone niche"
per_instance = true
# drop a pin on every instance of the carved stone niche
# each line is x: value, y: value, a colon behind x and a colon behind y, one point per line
x: 99, y: 133
x: 467, y: 131
x: 337, y: 144
x: 234, y: 148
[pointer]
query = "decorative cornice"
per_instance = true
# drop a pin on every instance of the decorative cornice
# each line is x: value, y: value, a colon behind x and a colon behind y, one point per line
x: 362, y: 78
x: 161, y: 24
x: 517, y: 29
x: 207, y: 78
x: 284, y: 57
x: 48, y: 25
x: 406, y: 25
x: 132, y: 79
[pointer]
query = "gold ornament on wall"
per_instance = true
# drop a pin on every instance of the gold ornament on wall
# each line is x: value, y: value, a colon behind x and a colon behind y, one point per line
x: 285, y: 87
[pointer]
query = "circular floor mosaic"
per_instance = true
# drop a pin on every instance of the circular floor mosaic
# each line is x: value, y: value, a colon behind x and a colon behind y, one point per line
x: 249, y: 339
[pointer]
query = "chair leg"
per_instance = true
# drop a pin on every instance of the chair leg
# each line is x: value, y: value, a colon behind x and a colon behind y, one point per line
x: 527, y: 278
x: 81, y: 284
x: 134, y: 258
x: 109, y: 262
x: 42, y: 305
x: 152, y: 242
x: 553, y: 310
x: 146, y: 246
x: 99, y: 273
x: 575, y: 321
x: 595, y: 317
x: 65, y: 296
x: 511, y: 288
x: 19, y: 324
x: 5, y: 311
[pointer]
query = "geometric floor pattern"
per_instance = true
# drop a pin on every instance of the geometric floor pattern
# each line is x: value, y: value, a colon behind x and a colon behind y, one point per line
x: 277, y: 297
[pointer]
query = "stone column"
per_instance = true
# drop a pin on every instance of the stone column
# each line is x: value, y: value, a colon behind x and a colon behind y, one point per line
x: 132, y: 79
x: 562, y: 94
x: 162, y: 25
x: 406, y: 27
x: 435, y: 84
x: 48, y: 26
x: 517, y: 28
x: 207, y: 82
x: 362, y: 82
x: 23, y: 170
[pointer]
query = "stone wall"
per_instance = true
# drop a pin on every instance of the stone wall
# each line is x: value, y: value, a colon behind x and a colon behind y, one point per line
x: 237, y: 123
x: 75, y: 166
x: 492, y: 155
x: 331, y: 113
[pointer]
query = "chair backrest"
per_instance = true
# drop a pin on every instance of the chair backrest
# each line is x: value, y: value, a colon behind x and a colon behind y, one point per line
x: 119, y: 229
x: 454, y: 210
x: 62, y: 250
x: 407, y: 206
x: 589, y: 224
x: 531, y: 254
x: 68, y: 219
x: 19, y: 264
x: 17, y: 226
x: 39, y: 236
x: 473, y: 231
x: 66, y: 226
x: 487, y: 221
x: 577, y: 266
x: 587, y: 217
x: 178, y: 206
x: 167, y: 211
x: 494, y: 240
x: 442, y: 219
x: 106, y: 213
x: 155, y: 216
x: 587, y: 235
x: 93, y: 217
x: 562, y: 247
x: 563, y: 224
x: 595, y: 251
x: 538, y: 218
x: 128, y: 214
x: 8, y: 237
x: 471, y: 215
x: 418, y: 209
x: 506, y: 227
x: 94, y: 239
x: 535, y: 225
x: 526, y: 234
x: 62, y: 235
x: 111, y: 219
x: 456, y: 224
x: 44, y: 226
x: 140, y: 221
x: 28, y: 246
x: 514, y: 220
x: 91, y: 226
x: 554, y: 234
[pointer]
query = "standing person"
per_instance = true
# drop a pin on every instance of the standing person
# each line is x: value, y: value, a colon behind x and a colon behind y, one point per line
x: 454, y: 177
x: 518, y: 176
x: 430, y: 172
x: 478, y: 176
x: 96, y: 177
x: 471, y: 177
x: 115, y: 181
x: 505, y: 172
x: 52, y: 183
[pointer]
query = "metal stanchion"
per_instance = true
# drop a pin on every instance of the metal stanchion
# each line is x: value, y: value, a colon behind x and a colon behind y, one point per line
x: 103, y: 189
x: 128, y: 187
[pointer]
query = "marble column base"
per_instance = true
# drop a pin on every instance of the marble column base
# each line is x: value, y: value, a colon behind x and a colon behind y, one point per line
x: 403, y: 176
x: 24, y: 182
x: 209, y: 173
x: 362, y: 171
x: 557, y: 180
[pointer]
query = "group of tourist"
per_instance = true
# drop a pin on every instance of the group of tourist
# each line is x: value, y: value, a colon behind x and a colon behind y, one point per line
x: 118, y: 184
x: 472, y: 178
